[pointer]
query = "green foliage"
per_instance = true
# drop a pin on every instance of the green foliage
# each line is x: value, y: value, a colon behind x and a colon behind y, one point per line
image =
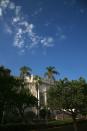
x: 38, y: 81
x: 13, y: 95
x: 69, y: 95
x: 55, y: 96
x: 45, y: 113
x: 25, y: 71
x: 51, y: 71
x: 60, y: 122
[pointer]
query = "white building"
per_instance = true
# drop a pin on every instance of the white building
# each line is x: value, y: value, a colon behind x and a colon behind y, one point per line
x: 41, y: 94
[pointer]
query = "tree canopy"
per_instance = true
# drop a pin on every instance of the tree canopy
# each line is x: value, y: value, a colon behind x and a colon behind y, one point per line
x: 69, y: 96
x: 51, y: 72
x: 13, y: 94
x: 25, y: 71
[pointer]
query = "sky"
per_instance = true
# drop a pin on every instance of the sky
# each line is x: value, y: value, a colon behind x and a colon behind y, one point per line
x: 41, y: 33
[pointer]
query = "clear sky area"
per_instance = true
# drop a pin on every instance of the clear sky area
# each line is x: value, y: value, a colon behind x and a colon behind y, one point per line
x: 41, y: 33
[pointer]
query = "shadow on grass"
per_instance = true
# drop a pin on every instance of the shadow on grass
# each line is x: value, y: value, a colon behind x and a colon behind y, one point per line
x: 82, y: 126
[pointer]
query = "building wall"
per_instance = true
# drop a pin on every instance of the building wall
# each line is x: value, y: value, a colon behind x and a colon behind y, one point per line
x: 43, y: 87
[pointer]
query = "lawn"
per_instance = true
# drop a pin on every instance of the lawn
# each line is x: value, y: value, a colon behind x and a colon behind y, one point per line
x: 58, y: 125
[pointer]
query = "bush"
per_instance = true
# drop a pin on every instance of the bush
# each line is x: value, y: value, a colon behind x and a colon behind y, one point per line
x: 12, y: 117
x: 30, y: 116
x: 45, y: 113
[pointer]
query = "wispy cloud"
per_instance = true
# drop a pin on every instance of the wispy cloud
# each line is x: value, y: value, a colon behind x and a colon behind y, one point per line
x: 47, y: 24
x: 82, y: 11
x: 8, y: 29
x: 38, y: 11
x: 47, y: 42
x: 63, y: 37
x: 12, y: 5
x: 4, y: 3
x: 60, y: 34
x: 18, y: 39
x: 25, y: 36
x: 0, y: 11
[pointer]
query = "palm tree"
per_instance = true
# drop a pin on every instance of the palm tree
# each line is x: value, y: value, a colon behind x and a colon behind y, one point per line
x: 51, y: 71
x: 50, y: 74
x: 38, y: 81
x: 25, y: 71
x: 4, y: 71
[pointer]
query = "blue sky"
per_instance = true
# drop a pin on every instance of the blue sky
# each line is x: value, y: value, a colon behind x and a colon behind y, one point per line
x: 41, y: 33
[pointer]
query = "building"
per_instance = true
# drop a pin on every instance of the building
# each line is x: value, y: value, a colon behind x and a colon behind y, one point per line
x: 41, y: 93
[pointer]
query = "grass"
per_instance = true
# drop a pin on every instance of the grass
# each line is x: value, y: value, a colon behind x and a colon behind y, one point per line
x: 60, y: 122
x: 55, y: 125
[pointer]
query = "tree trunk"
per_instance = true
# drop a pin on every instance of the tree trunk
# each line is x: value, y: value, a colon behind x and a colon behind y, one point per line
x: 38, y: 106
x: 1, y: 112
x: 21, y: 111
x: 74, y: 122
x: 63, y: 115
x: 1, y: 116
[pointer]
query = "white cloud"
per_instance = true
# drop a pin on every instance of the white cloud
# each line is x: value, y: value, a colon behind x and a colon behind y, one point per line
x: 50, y: 39
x: 4, y: 3
x: 21, y: 52
x: 25, y: 36
x: 18, y: 39
x: 63, y: 37
x: 47, y: 24
x: 8, y: 29
x: 20, y: 31
x: 37, y: 11
x: 16, y: 19
x: 0, y: 11
x: 17, y: 10
x: 35, y: 41
x: 29, y: 29
x: 60, y: 34
x: 47, y: 42
x: 12, y: 6
x: 24, y: 23
x: 31, y: 26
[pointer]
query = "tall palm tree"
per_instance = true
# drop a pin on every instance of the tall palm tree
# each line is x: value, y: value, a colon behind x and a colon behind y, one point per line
x: 50, y: 73
x: 4, y: 71
x: 25, y: 71
x: 38, y: 82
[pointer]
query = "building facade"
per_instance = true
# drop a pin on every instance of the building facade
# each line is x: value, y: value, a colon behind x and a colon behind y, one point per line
x: 41, y: 93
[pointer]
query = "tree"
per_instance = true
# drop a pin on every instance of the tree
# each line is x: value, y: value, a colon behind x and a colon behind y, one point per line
x: 51, y: 71
x: 23, y: 100
x: 54, y: 95
x: 68, y: 96
x: 74, y: 99
x: 38, y: 82
x: 83, y: 108
x: 4, y: 71
x: 50, y: 74
x: 7, y: 85
x: 12, y: 96
x: 25, y: 71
